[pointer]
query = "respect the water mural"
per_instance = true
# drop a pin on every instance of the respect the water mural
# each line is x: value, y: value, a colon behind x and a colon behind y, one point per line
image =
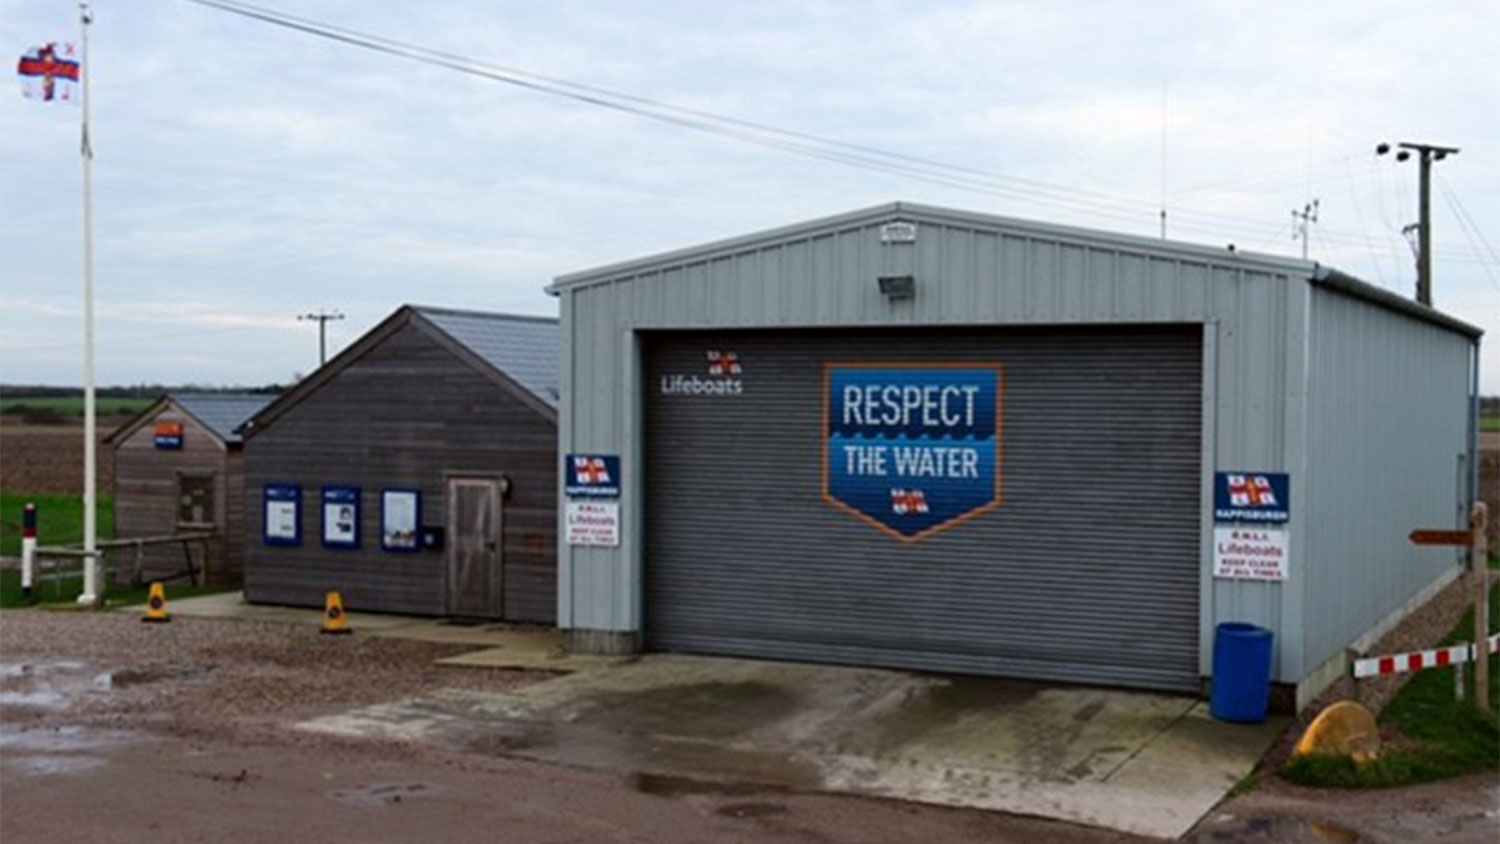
x: 912, y: 448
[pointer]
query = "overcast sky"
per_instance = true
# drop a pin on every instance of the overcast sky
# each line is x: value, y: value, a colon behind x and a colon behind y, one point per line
x: 246, y: 173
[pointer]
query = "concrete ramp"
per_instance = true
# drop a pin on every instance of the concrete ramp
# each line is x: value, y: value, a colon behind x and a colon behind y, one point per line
x: 1145, y: 763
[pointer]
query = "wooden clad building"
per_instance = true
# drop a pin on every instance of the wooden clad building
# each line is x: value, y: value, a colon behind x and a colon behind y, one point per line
x: 179, y: 469
x: 415, y: 473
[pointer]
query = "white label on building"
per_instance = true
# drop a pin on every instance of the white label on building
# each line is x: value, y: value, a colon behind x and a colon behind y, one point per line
x: 1250, y: 553
x: 898, y: 233
x: 593, y: 523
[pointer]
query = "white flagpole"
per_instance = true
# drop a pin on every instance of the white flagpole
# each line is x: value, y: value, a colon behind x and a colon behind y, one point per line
x: 91, y: 591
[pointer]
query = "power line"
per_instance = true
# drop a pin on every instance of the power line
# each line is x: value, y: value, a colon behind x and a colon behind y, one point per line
x: 1463, y: 224
x: 958, y: 177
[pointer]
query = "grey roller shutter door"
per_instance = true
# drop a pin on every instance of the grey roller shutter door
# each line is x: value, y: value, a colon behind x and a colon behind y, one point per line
x: 1089, y: 572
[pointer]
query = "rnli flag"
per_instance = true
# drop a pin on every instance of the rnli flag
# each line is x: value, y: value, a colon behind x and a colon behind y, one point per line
x: 50, y: 73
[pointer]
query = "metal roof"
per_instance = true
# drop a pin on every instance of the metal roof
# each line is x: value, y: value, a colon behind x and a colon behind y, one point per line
x: 222, y: 413
x: 913, y: 212
x: 525, y: 348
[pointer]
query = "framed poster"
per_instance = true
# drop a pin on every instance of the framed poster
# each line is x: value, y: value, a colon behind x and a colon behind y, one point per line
x: 340, y: 517
x: 281, y: 523
x: 400, y: 515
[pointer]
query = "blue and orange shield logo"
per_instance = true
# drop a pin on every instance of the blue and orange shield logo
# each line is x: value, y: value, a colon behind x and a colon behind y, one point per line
x: 912, y: 448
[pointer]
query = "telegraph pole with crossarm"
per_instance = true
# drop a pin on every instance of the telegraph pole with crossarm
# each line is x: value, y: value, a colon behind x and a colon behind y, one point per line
x: 1426, y: 154
x: 322, y: 318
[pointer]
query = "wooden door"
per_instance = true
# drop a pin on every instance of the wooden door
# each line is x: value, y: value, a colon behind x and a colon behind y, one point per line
x: 474, y: 583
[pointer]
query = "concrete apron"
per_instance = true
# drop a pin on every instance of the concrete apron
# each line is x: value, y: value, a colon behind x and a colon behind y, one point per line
x: 1145, y: 763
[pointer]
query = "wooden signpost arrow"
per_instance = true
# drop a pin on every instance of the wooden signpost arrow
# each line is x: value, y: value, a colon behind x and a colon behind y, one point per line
x: 1424, y: 536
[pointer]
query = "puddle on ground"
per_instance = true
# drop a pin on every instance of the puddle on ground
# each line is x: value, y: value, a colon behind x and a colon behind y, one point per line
x: 57, y: 684
x: 54, y: 686
x: 68, y: 739
x: 1276, y: 830
x: 44, y: 684
x: 35, y: 700
x: 667, y: 785
x: 47, y: 765
x: 384, y: 794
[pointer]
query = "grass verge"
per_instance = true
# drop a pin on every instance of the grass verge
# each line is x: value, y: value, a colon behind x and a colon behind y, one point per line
x: 59, y: 519
x: 1433, y: 736
x: 63, y: 594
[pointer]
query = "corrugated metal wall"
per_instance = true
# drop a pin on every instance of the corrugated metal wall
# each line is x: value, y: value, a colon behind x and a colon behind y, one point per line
x: 1088, y: 571
x: 1387, y: 408
x: 969, y: 271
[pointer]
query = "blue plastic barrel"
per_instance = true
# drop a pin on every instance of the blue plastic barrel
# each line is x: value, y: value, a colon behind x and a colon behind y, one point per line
x: 1242, y: 673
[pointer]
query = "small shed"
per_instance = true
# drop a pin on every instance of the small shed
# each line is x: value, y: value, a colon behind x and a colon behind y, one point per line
x: 414, y: 473
x: 179, y: 469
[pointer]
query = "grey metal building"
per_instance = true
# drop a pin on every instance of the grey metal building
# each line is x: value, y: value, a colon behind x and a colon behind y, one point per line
x: 923, y: 438
x: 416, y: 472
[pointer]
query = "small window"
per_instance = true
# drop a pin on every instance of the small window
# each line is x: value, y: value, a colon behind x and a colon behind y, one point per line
x: 195, y: 501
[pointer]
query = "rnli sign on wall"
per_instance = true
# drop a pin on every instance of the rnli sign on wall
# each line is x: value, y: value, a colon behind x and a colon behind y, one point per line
x: 912, y: 448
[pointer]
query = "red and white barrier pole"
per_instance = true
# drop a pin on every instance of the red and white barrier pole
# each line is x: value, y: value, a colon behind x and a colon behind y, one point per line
x: 28, y: 550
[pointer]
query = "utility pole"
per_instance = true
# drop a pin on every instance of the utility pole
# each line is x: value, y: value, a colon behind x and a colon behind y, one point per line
x: 1300, y: 219
x: 322, y: 318
x: 1426, y: 154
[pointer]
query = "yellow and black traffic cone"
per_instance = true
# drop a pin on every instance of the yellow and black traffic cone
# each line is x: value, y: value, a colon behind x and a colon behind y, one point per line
x: 334, y: 620
x: 156, y: 605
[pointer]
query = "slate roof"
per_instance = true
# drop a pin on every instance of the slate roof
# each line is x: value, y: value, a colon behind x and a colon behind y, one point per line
x: 222, y: 413
x: 527, y: 349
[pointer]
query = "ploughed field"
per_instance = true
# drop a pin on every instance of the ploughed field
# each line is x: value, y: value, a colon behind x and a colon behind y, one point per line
x: 49, y: 458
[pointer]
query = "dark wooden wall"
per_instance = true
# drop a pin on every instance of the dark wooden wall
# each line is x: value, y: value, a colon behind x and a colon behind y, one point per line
x: 407, y: 414
x: 146, y: 489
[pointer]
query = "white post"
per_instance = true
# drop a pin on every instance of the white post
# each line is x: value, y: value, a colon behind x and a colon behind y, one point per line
x: 91, y: 593
x: 28, y: 550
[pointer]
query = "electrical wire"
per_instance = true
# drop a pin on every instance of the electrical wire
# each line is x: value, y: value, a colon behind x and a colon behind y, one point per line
x: 958, y: 177
x: 1464, y: 225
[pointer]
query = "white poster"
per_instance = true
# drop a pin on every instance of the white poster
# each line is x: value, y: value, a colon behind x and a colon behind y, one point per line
x: 1250, y: 553
x: 398, y: 520
x: 281, y: 521
x: 593, y: 523
x: 338, y: 524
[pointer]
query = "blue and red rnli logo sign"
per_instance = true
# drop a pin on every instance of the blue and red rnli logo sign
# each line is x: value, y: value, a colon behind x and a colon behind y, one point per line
x: 168, y: 435
x: 1252, y: 497
x: 592, y: 475
x: 912, y: 448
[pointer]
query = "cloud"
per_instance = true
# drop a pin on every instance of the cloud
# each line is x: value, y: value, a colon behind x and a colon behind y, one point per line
x: 246, y: 174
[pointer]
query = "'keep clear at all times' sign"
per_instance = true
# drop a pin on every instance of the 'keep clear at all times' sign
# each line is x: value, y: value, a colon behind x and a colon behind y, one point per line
x: 912, y: 448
